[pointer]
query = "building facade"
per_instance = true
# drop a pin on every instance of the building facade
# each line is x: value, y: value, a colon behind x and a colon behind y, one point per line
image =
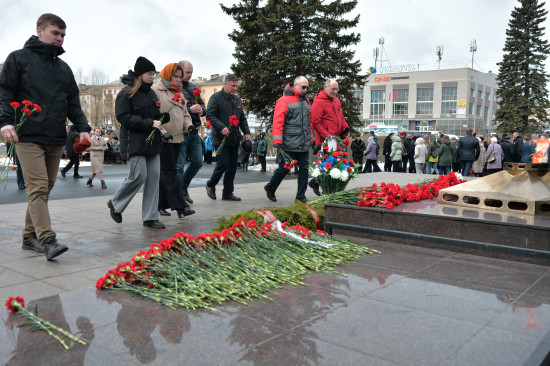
x: 451, y: 101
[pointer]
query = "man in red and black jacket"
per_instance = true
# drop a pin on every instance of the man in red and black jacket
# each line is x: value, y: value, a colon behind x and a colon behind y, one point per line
x: 292, y: 134
x: 327, y: 119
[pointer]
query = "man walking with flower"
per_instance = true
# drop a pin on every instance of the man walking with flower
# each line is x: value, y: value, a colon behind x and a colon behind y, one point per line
x: 225, y: 112
x: 35, y: 74
x: 291, y: 136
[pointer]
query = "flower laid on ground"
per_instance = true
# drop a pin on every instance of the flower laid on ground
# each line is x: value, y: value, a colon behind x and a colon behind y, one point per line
x: 177, y: 99
x: 206, y: 124
x: 391, y: 195
x: 24, y: 109
x: 333, y: 168
x: 239, y: 263
x: 233, y: 121
x: 196, y: 93
x: 17, y: 305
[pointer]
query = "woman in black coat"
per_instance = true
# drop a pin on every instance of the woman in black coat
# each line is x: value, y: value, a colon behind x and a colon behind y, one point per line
x: 137, y: 110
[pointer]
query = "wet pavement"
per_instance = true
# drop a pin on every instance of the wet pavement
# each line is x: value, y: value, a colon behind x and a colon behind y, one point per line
x: 408, y: 306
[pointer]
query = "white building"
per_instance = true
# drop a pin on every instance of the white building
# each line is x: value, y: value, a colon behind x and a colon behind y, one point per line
x: 451, y: 101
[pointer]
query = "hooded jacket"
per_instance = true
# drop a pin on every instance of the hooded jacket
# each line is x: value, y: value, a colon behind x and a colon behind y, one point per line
x: 36, y: 73
x: 396, y: 153
x: 445, y: 154
x: 137, y: 115
x: 291, y: 123
x: 327, y: 118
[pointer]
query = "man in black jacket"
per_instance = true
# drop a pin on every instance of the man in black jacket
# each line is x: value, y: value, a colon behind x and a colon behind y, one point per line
x: 387, y: 150
x: 36, y: 74
x: 191, y: 147
x: 408, y: 154
x: 468, y: 152
x: 357, y: 150
x: 518, y: 146
x: 221, y: 106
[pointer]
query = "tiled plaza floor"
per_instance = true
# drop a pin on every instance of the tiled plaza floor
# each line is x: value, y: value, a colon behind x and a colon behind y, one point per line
x: 407, y: 306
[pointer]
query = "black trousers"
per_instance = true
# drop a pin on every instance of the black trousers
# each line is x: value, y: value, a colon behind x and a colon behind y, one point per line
x: 371, y: 165
x: 169, y: 191
x: 262, y: 162
x: 226, y: 165
x: 73, y: 160
x: 387, y: 163
x: 281, y: 173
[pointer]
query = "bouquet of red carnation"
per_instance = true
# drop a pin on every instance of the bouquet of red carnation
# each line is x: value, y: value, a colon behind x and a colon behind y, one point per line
x: 233, y: 121
x: 177, y: 99
x: 207, y: 124
x: 26, y: 108
x: 196, y: 93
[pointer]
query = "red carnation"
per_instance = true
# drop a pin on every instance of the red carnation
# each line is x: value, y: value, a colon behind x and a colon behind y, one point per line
x: 14, y: 303
x: 27, y: 111
x: 37, y: 108
x: 27, y: 102
x: 15, y: 105
x: 196, y: 91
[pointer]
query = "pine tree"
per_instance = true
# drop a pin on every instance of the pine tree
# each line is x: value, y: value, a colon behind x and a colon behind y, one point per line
x: 282, y: 39
x: 522, y: 80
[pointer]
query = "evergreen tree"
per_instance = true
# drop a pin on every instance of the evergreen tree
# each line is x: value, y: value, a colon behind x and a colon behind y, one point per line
x: 522, y: 80
x: 281, y: 39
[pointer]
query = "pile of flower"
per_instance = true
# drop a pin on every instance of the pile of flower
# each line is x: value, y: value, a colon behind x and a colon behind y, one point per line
x: 242, y: 262
x: 333, y: 168
x: 17, y: 305
x: 391, y: 195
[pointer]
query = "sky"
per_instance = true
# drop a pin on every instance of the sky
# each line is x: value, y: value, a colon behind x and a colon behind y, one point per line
x: 108, y: 35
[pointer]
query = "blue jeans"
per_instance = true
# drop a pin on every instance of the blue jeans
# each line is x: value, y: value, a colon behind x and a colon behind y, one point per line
x: 466, y: 166
x: 444, y: 170
x: 191, y: 147
x: 19, y: 171
x: 429, y: 166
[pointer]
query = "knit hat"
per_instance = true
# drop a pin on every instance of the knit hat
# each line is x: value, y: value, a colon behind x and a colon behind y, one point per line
x: 143, y: 65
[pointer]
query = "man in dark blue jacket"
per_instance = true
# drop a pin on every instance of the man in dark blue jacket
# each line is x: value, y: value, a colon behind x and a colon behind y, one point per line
x: 468, y: 152
x: 36, y: 74
x: 192, y: 145
x: 221, y: 106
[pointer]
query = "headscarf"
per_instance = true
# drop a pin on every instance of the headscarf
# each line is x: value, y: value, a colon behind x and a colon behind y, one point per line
x: 166, y: 75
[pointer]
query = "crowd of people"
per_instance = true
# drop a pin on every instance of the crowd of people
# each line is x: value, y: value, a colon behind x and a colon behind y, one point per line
x: 160, y: 142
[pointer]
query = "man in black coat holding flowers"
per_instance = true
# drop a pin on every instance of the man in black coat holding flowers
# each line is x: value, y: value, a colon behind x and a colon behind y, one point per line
x: 225, y: 112
x: 36, y: 77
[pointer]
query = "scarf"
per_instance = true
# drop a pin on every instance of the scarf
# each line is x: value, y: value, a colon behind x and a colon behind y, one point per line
x: 166, y: 76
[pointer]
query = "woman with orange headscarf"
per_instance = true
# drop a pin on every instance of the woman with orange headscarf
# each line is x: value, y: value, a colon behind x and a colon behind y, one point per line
x: 168, y: 90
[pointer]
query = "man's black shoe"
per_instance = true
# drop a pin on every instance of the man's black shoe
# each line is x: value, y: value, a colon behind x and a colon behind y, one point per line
x: 314, y: 186
x: 31, y: 243
x: 270, y: 194
x: 303, y: 200
x: 186, y: 196
x: 21, y: 186
x: 114, y: 215
x: 211, y: 192
x: 52, y: 248
x: 77, y: 176
x: 155, y: 224
x: 62, y: 171
x: 231, y: 197
x: 185, y: 212
x: 163, y: 212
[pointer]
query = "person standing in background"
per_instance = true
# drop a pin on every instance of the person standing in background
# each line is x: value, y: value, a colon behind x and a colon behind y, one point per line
x: 97, y: 153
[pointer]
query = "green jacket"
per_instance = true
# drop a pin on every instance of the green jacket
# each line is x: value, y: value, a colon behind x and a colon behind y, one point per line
x: 446, y: 154
x: 262, y: 148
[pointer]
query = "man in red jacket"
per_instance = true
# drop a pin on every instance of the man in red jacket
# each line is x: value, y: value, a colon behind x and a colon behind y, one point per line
x: 327, y: 119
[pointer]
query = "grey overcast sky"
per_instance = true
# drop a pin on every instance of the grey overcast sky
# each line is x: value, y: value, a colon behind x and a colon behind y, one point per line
x: 110, y: 34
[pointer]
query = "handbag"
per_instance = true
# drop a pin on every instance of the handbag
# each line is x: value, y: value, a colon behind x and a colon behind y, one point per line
x: 491, y: 158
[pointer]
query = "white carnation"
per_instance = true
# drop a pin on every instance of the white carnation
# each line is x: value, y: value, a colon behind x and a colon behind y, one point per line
x: 335, y: 173
x: 344, y: 176
x: 316, y: 172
